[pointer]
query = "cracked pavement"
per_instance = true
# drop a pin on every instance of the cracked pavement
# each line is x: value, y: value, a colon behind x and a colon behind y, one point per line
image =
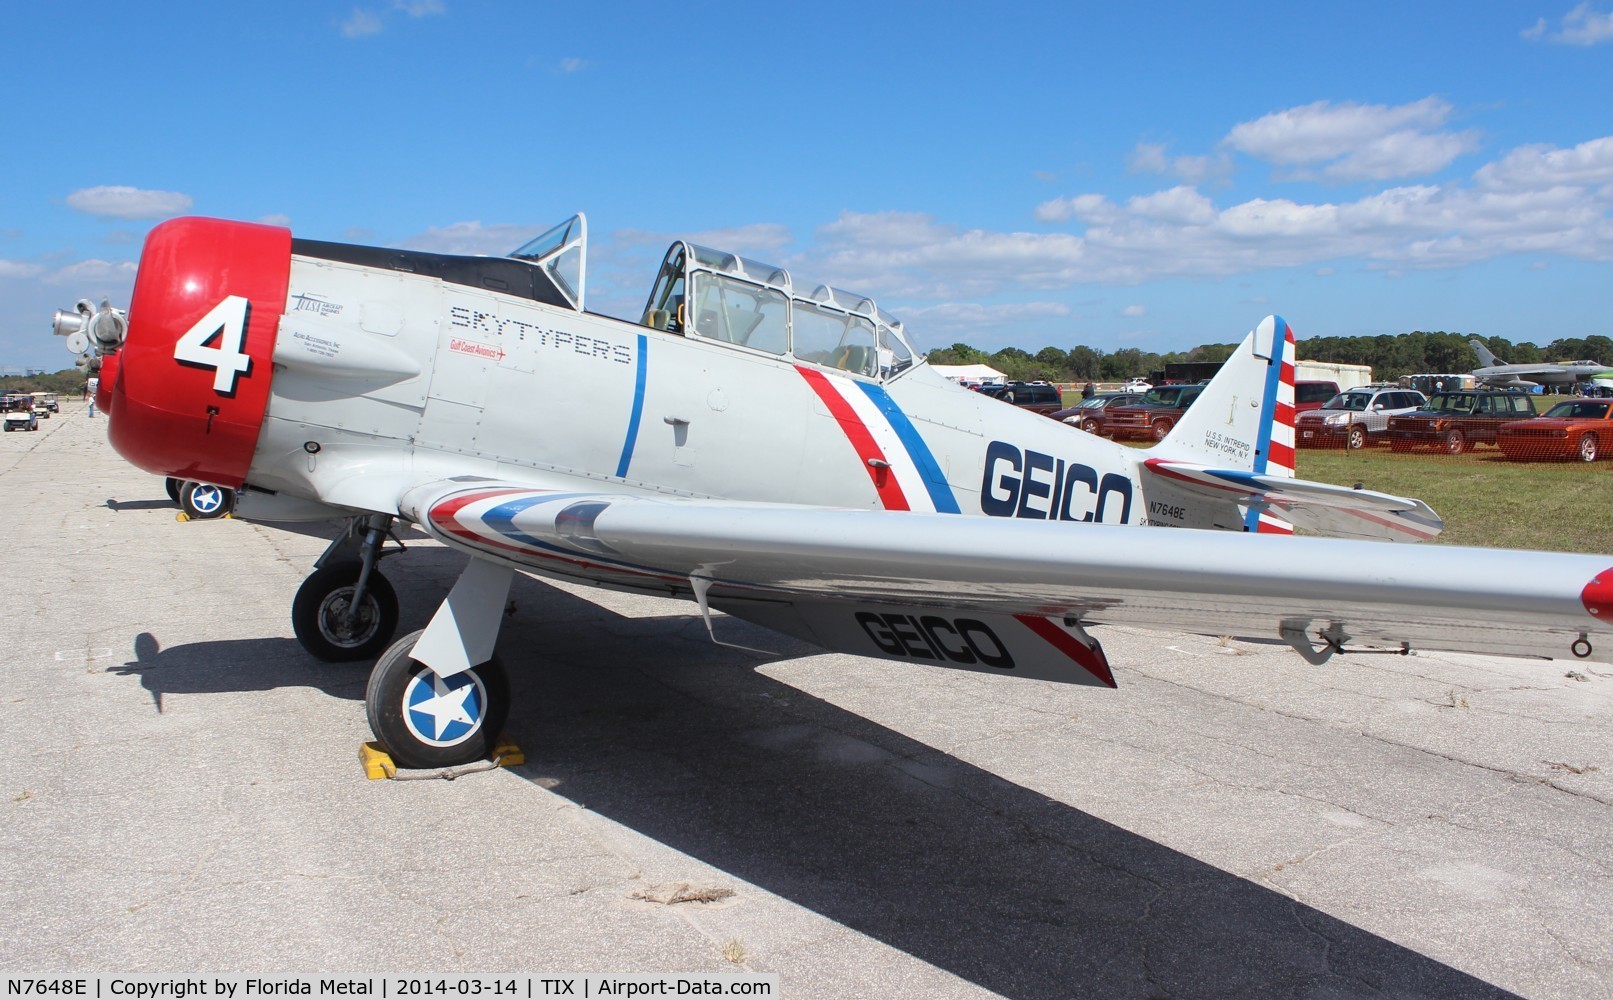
x: 182, y: 793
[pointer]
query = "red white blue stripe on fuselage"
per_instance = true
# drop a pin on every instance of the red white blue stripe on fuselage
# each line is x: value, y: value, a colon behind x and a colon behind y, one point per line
x: 900, y: 465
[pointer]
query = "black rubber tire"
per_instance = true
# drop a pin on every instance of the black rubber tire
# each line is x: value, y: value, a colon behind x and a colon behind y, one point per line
x: 1455, y: 443
x: 1355, y: 438
x: 1090, y: 426
x: 203, y: 502
x: 325, y: 595
x: 173, y: 485
x: 1589, y: 450
x: 393, y: 685
x: 1161, y: 428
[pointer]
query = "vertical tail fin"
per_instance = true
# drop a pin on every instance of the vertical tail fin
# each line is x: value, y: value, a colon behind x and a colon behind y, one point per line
x: 1486, y: 359
x: 1244, y: 419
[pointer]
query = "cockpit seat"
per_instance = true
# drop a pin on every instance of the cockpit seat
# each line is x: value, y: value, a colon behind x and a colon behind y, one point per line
x: 855, y: 358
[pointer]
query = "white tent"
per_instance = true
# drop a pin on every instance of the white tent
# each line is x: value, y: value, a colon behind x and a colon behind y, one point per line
x: 971, y: 373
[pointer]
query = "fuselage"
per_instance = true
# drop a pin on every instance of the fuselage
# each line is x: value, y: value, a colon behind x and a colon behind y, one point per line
x: 380, y: 370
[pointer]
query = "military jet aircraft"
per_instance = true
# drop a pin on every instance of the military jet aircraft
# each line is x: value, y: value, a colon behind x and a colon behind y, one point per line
x: 763, y: 446
x: 1493, y: 371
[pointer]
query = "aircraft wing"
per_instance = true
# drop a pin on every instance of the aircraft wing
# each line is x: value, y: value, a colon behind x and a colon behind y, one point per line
x: 1335, y: 511
x: 981, y: 592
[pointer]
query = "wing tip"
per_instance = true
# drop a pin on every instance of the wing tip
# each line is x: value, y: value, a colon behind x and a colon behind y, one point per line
x: 1597, y: 597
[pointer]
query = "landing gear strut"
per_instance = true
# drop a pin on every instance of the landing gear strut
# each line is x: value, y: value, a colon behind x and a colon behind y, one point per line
x: 346, y: 610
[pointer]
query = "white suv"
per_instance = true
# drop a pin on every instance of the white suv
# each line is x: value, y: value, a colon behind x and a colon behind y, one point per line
x: 1355, y: 417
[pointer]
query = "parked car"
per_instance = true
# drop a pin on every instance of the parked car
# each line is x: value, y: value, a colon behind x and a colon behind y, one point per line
x: 1090, y: 413
x: 1136, y: 385
x: 1036, y: 396
x: 1152, y: 417
x: 1311, y: 394
x: 1456, y: 421
x: 1356, y: 417
x: 1581, y: 429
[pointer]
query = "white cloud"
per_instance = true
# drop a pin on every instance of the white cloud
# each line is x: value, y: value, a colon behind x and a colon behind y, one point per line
x: 19, y: 269
x: 1351, y: 142
x: 121, y: 202
x: 276, y: 219
x: 1581, y: 26
x: 1181, y: 205
x: 1151, y: 158
x: 94, y: 273
x: 1134, y: 311
x: 1090, y: 208
x: 1534, y: 167
x: 938, y: 323
x: 573, y: 65
x: 362, y: 23
x: 472, y: 238
x: 1533, y: 200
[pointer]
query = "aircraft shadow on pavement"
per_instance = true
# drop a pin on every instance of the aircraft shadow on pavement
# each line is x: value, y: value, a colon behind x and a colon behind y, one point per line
x: 646, y: 723
x: 236, y: 665
x: 122, y: 505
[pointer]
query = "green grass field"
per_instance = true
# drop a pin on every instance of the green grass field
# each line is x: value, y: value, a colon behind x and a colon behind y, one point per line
x: 1485, y: 499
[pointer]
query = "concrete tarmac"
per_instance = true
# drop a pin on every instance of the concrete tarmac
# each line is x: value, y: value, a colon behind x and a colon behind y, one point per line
x: 182, y: 793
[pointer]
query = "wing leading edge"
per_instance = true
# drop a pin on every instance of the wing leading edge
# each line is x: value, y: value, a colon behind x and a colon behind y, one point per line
x: 813, y: 571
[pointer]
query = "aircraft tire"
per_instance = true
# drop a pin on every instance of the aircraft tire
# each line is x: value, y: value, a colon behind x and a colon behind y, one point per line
x: 319, y: 610
x: 1356, y: 439
x: 203, y: 501
x: 173, y: 486
x: 402, y: 693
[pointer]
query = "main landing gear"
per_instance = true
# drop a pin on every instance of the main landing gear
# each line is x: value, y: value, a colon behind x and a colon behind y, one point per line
x: 437, y: 697
x: 427, y: 720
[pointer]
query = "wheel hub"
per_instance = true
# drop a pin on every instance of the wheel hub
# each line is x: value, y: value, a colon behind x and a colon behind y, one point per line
x: 444, y: 712
x: 342, y: 624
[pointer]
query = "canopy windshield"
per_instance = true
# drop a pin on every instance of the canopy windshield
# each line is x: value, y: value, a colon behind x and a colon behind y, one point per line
x: 720, y: 296
x: 563, y: 253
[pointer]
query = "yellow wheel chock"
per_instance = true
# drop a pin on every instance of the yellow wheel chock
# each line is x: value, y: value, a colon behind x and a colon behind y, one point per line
x: 378, y: 764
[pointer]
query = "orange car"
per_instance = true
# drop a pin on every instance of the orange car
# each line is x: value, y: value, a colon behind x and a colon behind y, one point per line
x: 1580, y: 428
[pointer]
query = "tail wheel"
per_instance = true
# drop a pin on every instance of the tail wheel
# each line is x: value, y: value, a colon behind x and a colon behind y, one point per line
x: 327, y: 625
x: 1456, y: 442
x: 1162, y: 427
x: 1357, y: 438
x: 425, y: 720
x: 204, y: 501
x: 1588, y: 450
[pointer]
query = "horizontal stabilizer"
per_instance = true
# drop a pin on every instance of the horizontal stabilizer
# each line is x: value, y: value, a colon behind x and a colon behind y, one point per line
x: 1337, y: 511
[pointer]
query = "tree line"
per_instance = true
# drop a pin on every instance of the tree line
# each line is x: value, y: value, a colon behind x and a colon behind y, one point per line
x: 1390, y: 355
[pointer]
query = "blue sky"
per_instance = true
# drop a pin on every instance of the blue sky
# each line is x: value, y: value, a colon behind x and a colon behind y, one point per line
x: 1119, y: 175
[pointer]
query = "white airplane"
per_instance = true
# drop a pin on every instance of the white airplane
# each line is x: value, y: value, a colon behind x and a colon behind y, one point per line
x: 771, y: 449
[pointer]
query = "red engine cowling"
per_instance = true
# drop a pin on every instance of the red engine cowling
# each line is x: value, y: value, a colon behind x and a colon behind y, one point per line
x: 191, y: 384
